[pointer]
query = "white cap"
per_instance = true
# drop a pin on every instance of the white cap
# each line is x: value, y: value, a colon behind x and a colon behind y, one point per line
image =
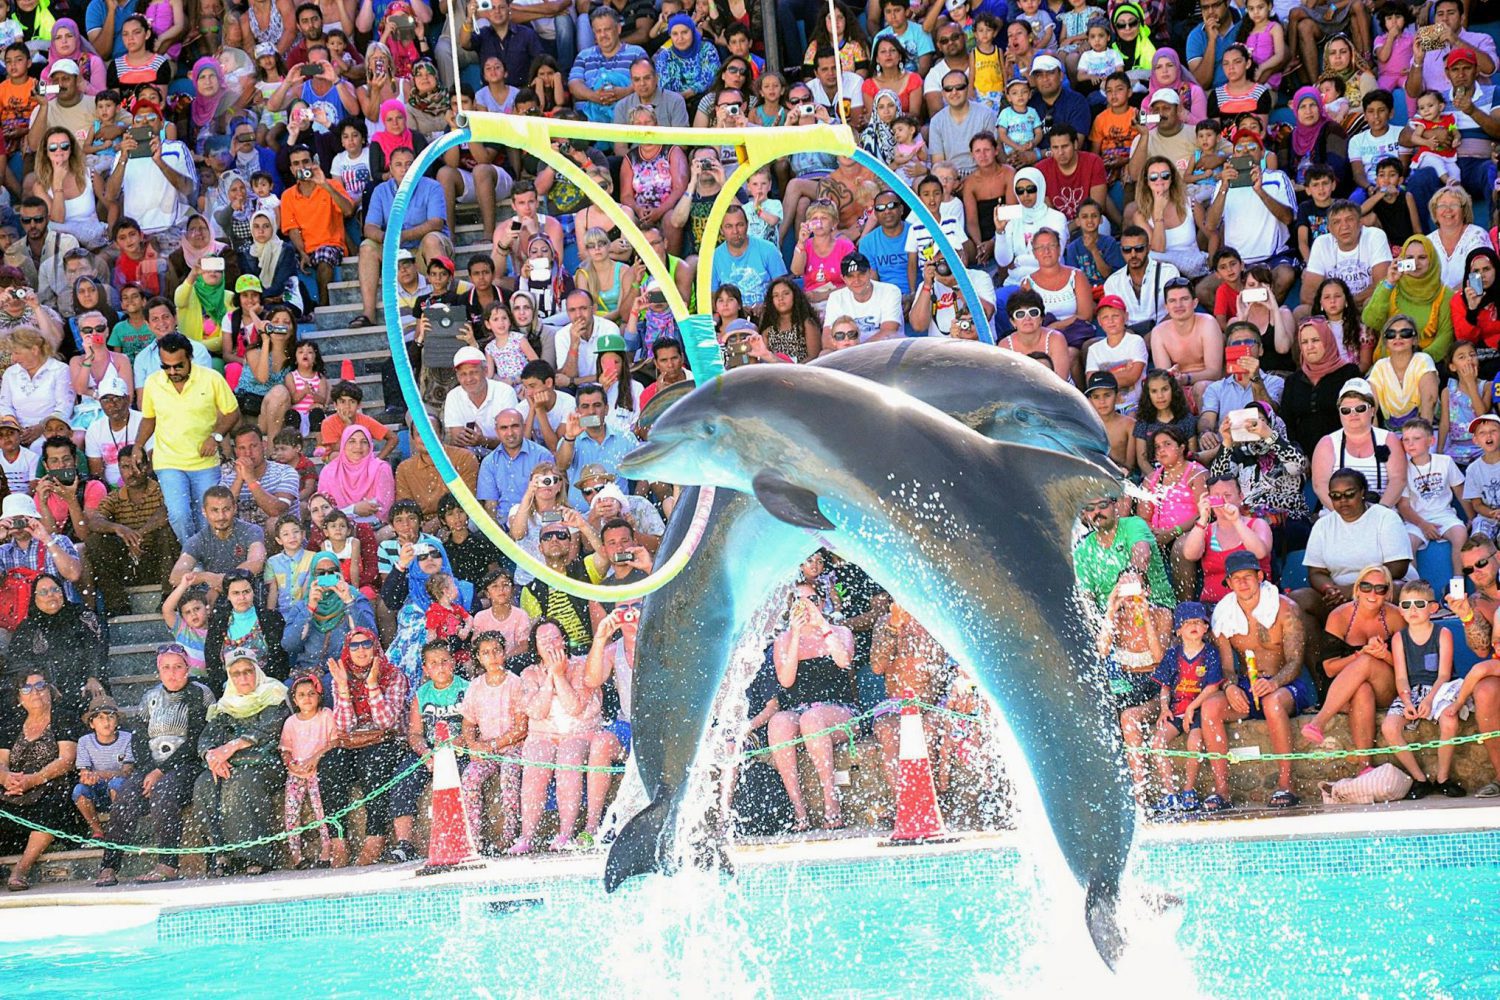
x: 1166, y: 95
x: 404, y: 254
x: 18, y: 505
x: 67, y: 66
x: 467, y: 355
x: 1046, y: 64
x: 112, y: 385
x: 1357, y: 387
x: 613, y: 492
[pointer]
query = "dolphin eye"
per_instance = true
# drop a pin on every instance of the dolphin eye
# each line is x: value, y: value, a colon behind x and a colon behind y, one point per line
x: 710, y: 428
x: 1023, y: 415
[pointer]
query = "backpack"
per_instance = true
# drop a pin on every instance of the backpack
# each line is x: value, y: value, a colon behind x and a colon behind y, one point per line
x: 15, y: 592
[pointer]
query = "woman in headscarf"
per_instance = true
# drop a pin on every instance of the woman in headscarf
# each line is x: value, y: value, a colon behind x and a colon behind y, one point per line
x: 241, y: 620
x: 211, y: 105
x: 877, y: 138
x: 550, y: 290
x: 405, y: 593
x: 198, y: 241
x: 231, y: 220
x: 273, y: 260
x: 1315, y: 138
x: 241, y: 747
x: 1133, y: 38
x: 315, y: 628
x: 428, y: 101
x: 1167, y: 72
x: 67, y: 43
x: 525, y: 317
x: 63, y: 640
x: 1340, y: 60
x: 1476, y: 310
x: 1310, y: 400
x: 357, y: 479
x: 396, y: 134
x: 202, y: 300
x: 1013, y: 238
x: 369, y: 706
x: 1419, y: 294
x: 686, y: 64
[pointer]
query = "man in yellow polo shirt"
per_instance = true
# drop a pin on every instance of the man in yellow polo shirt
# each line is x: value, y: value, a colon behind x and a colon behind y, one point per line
x: 194, y: 408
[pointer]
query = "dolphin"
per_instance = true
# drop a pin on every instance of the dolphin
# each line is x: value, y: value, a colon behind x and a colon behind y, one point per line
x: 849, y: 492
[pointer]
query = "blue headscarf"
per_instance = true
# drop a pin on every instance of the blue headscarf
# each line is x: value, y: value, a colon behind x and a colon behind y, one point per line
x: 416, y: 580
x: 692, y: 26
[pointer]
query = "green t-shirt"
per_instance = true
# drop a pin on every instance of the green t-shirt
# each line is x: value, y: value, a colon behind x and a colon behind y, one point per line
x: 441, y: 704
x: 128, y: 339
x: 1097, y: 568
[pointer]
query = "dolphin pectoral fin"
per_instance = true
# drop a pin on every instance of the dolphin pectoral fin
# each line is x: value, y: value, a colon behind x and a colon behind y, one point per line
x: 639, y: 847
x: 789, y: 503
x: 1066, y: 481
x: 1101, y: 913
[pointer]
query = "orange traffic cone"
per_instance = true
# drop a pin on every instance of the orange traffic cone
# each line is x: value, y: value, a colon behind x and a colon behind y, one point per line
x: 346, y: 370
x: 450, y: 842
x: 918, y: 820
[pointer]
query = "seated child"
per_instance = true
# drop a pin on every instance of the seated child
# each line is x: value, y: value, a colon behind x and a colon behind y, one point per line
x: 289, y: 573
x: 1434, y: 129
x: 106, y: 759
x: 306, y: 736
x: 286, y: 448
x: 1209, y: 157
x: 1188, y: 674
x: 447, y: 619
x: 910, y: 159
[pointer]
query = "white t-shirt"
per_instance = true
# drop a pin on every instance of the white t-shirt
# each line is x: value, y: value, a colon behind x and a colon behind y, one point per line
x: 1429, y: 490
x: 18, y: 474
x: 1344, y: 549
x: 1102, y: 357
x: 1369, y: 150
x: 588, y: 364
x: 149, y: 198
x: 102, y: 443
x: 944, y: 311
x: 564, y: 405
x: 1481, y: 482
x: 918, y: 238
x: 1354, y: 266
x: 459, y: 409
x: 853, y: 92
x: 1249, y: 226
x: 883, y: 306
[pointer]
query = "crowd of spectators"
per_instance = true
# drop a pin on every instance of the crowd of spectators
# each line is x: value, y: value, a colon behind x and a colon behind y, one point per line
x: 1258, y: 237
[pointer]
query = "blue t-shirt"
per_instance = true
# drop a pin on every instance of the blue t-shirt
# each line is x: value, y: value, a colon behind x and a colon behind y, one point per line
x: 427, y: 203
x: 914, y: 40
x: 887, y: 255
x: 1197, y: 44
x: 93, y: 20
x: 751, y: 272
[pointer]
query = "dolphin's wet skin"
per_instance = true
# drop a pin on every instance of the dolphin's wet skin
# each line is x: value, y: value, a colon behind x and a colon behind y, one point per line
x: 952, y: 474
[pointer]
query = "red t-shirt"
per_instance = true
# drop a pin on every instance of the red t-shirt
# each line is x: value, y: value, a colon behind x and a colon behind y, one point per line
x: 1064, y: 193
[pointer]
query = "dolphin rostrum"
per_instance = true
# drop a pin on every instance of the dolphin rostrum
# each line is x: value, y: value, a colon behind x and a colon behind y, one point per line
x: 971, y: 534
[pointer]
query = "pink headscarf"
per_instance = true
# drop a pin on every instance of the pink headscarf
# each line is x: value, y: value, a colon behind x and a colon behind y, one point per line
x: 206, y: 108
x: 92, y: 67
x: 349, y: 482
x: 1305, y: 137
x: 387, y: 142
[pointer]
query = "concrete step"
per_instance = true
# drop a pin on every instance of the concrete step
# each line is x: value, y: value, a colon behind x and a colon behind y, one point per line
x: 144, y: 600
x: 472, y: 242
x: 133, y: 629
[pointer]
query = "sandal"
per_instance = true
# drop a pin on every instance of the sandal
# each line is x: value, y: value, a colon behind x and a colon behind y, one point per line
x: 520, y: 847
x: 1217, y: 803
x: 1490, y: 791
x: 1188, y: 801
x: 106, y: 879
x: 1282, y: 799
x: 361, y: 320
x: 1313, y: 734
x: 17, y: 884
x: 801, y: 825
x: 158, y: 876
x: 1451, y: 789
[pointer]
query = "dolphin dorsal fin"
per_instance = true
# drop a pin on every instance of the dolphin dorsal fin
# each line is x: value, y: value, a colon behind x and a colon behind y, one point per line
x: 790, y: 503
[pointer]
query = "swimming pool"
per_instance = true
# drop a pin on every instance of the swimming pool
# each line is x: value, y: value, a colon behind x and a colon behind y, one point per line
x: 1380, y: 916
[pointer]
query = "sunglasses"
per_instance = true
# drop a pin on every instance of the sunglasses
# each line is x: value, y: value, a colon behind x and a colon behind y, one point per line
x: 1026, y: 312
x: 735, y: 69
x: 955, y: 89
x: 1139, y: 248
x: 843, y: 335
x: 1159, y: 175
x: 1124, y: 23
x: 1177, y: 283
x: 36, y: 688
x: 1345, y: 494
x: 57, y: 147
x: 1478, y: 565
x: 430, y: 555
x: 1025, y: 189
x: 1349, y: 411
x: 1405, y: 333
x: 92, y: 329
x: 887, y: 206
x: 1374, y: 588
x: 1098, y: 505
x: 589, y: 491
x: 554, y: 536
x: 1416, y: 604
x: 361, y: 643
x: 171, y: 647
x: 33, y: 220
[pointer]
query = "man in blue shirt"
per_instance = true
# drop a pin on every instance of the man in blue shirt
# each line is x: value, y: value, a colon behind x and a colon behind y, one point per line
x: 506, y: 471
x: 742, y: 260
x: 585, y: 437
x: 425, y: 232
x: 1206, y: 43
x: 1056, y: 104
x: 885, y: 245
x: 601, y: 74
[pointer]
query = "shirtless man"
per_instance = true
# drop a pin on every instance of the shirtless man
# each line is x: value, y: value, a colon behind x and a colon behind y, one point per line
x: 910, y: 659
x: 1103, y: 391
x: 1189, y: 344
x: 1481, y: 564
x: 1130, y: 641
x: 1257, y: 619
x: 988, y: 187
x: 840, y: 187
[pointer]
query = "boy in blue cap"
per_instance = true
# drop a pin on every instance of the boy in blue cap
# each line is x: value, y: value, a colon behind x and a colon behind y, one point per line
x: 1188, y: 673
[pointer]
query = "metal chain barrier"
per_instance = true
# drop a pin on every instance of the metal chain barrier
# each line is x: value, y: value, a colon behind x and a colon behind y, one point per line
x: 1240, y: 757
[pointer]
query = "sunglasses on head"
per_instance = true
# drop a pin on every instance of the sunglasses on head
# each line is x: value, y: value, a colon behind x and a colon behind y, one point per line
x: 1416, y: 603
x: 1345, y: 494
x: 1025, y: 189
x: 1374, y: 588
x: 554, y: 536
x: 1177, y: 283
x: 1478, y: 565
x: 1348, y: 411
x: 1026, y: 312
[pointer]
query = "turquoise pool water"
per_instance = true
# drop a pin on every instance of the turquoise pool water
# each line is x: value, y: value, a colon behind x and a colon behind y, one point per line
x: 1378, y: 917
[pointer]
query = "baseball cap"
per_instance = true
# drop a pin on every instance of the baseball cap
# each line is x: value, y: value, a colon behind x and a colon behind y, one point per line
x: 1166, y: 95
x: 1111, y: 302
x: 1357, y: 387
x: 1235, y: 562
x: 1101, y: 380
x: 854, y: 262
x: 10, y: 422
x: 1189, y: 611
x: 264, y: 49
x: 444, y: 262
x: 403, y: 254
x: 112, y: 385
x: 1482, y: 418
x: 609, y: 342
x: 739, y: 326
x: 248, y: 283
x: 18, y: 505
x: 70, y: 67
x: 1046, y: 64
x: 1456, y: 56
x: 468, y: 355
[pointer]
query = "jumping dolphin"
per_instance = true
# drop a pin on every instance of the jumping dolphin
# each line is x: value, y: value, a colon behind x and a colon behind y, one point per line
x: 912, y: 494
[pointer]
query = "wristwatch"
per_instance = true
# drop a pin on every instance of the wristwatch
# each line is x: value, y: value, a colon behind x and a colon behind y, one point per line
x: 218, y: 438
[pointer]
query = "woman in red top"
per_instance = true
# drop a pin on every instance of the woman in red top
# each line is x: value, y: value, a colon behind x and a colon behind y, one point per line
x: 1224, y: 526
x: 1476, y: 312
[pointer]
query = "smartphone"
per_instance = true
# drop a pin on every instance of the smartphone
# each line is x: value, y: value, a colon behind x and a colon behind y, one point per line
x: 405, y: 27
x: 1456, y: 587
x: 211, y: 264
x: 142, y: 136
x: 551, y: 517
x: 1243, y: 424
x: 1007, y: 213
x: 1255, y: 295
x: 1130, y: 588
x: 1243, y: 164
x: 592, y: 420
x: 1149, y: 120
x: 1477, y: 284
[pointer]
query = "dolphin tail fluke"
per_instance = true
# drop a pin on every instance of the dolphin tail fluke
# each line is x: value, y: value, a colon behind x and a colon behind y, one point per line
x: 1101, y: 911
x: 641, y: 846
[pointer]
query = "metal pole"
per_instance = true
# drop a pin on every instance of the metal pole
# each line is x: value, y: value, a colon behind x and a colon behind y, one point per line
x: 772, y: 37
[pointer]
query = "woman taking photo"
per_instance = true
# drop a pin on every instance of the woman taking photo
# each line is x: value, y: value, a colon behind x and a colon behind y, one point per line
x: 813, y: 660
x: 36, y: 766
x: 734, y: 74
x: 202, y: 302
x: 1013, y: 251
x: 241, y: 747
x: 1177, y: 482
x: 1222, y: 527
x: 789, y: 323
x: 1267, y: 473
x: 1358, y: 445
x: 1405, y: 381
x: 1416, y: 291
x: 71, y: 191
x: 316, y: 627
x: 545, y: 503
x: 1310, y: 399
x: 1172, y: 223
x: 1272, y: 322
x: 1476, y: 308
